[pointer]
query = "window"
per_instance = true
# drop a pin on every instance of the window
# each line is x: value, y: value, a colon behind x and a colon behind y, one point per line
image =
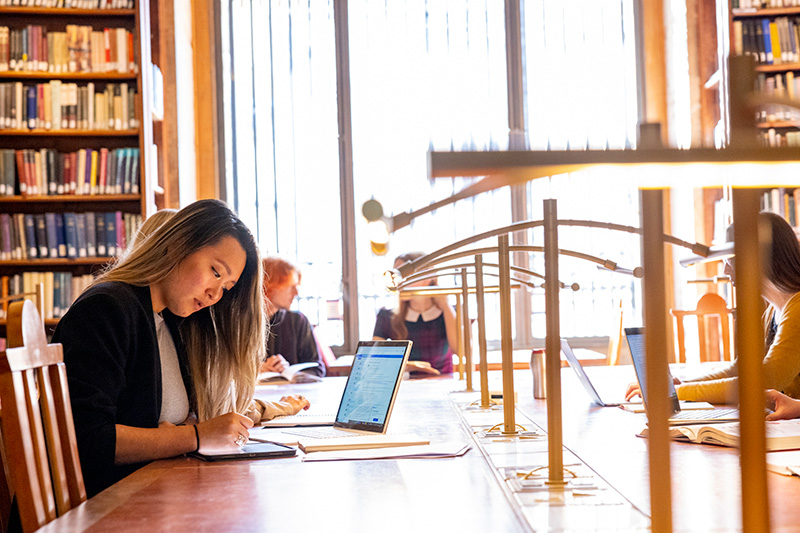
x: 423, y: 75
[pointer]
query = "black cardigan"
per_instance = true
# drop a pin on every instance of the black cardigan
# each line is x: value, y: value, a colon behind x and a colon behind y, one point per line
x: 114, y: 372
x: 290, y: 335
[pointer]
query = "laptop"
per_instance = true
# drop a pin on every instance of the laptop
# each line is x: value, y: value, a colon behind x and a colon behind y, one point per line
x: 635, y: 338
x: 575, y: 365
x: 369, y: 394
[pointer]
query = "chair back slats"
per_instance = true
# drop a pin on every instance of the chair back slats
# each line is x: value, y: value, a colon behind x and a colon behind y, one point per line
x: 66, y: 428
x: 38, y: 433
x: 40, y: 455
x: 55, y: 455
x: 18, y: 443
x: 710, y: 306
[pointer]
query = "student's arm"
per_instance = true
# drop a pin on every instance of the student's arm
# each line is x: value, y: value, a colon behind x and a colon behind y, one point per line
x: 782, y: 362
x: 136, y: 445
x: 261, y: 410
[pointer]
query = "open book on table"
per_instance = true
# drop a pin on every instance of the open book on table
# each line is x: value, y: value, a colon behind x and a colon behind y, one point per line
x: 784, y: 462
x: 781, y: 434
x: 290, y: 374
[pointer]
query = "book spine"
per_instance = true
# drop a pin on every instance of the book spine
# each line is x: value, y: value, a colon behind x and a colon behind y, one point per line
x: 91, y: 237
x: 100, y: 234
x: 80, y: 229
x: 111, y: 234
x: 41, y: 235
x: 30, y: 237
x: 52, y: 238
x: 71, y: 235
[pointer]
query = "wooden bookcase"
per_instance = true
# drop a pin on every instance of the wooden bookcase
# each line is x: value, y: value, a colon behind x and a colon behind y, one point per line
x: 140, y: 203
x: 773, y: 74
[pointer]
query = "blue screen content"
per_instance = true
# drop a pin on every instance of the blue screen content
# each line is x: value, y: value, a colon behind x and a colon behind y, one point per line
x: 636, y: 345
x: 372, y: 381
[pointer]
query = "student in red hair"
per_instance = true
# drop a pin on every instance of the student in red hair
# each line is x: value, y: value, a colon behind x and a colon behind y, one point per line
x: 291, y: 338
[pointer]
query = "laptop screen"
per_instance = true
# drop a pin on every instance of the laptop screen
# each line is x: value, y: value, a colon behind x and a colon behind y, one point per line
x: 635, y: 338
x: 372, y: 385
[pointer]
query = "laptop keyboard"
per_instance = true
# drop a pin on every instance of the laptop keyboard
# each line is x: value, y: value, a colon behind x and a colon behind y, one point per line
x: 327, y: 432
x: 705, y: 415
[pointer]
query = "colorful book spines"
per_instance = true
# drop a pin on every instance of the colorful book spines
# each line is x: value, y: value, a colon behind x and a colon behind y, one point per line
x: 65, y: 235
x: 86, y: 172
x: 60, y: 289
x: 78, y: 49
x: 56, y: 105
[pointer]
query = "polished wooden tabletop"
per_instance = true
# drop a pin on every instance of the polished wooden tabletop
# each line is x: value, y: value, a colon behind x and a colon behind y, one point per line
x: 706, y: 480
x: 456, y: 494
x: 283, y: 495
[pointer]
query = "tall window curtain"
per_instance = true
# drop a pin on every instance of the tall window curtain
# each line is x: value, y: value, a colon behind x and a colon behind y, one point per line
x: 282, y: 135
x: 425, y: 75
x: 580, y: 93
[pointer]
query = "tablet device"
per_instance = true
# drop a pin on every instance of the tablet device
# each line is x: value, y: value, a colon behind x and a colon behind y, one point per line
x: 256, y: 450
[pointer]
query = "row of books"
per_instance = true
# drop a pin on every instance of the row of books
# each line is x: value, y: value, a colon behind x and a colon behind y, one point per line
x: 67, y: 106
x: 60, y: 289
x: 74, y: 4
x: 772, y: 138
x: 78, y: 49
x: 769, y: 41
x: 783, y: 201
x: 86, y: 171
x: 25, y: 236
x: 743, y: 5
x: 781, y: 85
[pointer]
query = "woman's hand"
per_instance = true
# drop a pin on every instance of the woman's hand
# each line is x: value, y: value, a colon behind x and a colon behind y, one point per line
x: 421, y: 366
x: 226, y: 432
x: 298, y: 403
x: 784, y: 407
x: 633, y: 389
x: 274, y: 363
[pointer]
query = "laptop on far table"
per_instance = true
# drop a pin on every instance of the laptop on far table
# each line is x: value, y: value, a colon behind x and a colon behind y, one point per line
x: 575, y: 365
x: 635, y: 338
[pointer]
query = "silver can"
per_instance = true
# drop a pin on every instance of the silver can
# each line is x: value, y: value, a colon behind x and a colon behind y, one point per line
x: 538, y: 370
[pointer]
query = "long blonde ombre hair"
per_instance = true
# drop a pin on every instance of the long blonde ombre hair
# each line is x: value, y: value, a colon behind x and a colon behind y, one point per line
x: 224, y: 342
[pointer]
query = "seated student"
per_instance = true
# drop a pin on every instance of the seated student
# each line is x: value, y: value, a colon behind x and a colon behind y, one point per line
x: 171, y: 334
x: 291, y: 338
x: 781, y: 291
x: 427, y: 321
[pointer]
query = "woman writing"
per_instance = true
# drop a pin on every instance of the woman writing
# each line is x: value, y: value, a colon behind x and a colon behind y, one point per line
x: 781, y: 292
x: 170, y: 335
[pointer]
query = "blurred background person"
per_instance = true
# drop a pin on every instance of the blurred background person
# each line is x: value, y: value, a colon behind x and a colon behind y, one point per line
x: 291, y: 338
x: 427, y: 321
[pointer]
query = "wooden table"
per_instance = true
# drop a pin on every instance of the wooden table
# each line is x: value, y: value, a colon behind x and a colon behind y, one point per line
x: 706, y: 480
x: 460, y: 494
x: 284, y: 495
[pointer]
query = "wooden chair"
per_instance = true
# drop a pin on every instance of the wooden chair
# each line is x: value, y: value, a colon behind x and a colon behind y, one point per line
x: 38, y: 431
x: 710, y: 306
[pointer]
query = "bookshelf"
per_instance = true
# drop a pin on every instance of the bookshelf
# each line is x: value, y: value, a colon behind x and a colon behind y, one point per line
x: 78, y: 138
x: 772, y: 37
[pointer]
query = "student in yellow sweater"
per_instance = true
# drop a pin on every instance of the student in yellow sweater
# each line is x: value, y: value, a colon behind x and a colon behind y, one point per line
x: 781, y: 291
